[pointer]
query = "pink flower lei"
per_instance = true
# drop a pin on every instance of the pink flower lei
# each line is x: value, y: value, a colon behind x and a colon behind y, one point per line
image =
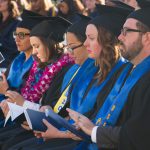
x: 35, y: 92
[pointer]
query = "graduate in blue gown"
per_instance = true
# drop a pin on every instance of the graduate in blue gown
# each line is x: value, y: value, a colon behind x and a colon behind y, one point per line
x: 9, y: 14
x: 126, y: 123
x: 80, y: 56
x: 70, y: 144
x: 16, y: 74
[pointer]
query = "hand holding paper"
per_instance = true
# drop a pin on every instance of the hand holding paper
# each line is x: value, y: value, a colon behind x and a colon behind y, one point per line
x: 15, y: 97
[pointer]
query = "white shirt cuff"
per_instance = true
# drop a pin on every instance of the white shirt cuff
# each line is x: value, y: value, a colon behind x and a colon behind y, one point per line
x: 93, y: 135
x: 31, y: 105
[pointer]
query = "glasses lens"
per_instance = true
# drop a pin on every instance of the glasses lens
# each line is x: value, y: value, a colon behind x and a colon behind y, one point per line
x: 69, y: 49
x: 21, y: 35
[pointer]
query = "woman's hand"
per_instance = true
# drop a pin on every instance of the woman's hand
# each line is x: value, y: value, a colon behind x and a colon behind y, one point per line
x: 3, y: 84
x: 38, y: 134
x: 15, y: 97
x: 83, y: 122
x: 51, y: 131
x: 25, y: 125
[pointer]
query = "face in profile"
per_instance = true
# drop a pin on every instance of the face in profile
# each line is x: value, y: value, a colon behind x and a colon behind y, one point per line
x: 39, y: 50
x: 22, y: 39
x: 76, y: 49
x: 131, y: 42
x: 91, y: 43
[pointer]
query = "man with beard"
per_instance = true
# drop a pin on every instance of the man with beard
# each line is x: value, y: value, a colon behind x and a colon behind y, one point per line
x: 125, y: 126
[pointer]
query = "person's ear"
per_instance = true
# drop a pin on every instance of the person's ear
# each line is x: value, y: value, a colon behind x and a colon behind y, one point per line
x: 146, y: 38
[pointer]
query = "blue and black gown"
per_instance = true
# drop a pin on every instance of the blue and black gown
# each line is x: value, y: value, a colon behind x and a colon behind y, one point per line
x: 68, y: 143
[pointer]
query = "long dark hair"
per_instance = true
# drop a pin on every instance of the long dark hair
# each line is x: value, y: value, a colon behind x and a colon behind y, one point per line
x: 54, y: 51
x: 72, y: 8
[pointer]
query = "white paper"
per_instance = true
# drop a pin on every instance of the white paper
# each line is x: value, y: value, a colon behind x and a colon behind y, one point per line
x: 28, y: 119
x: 7, y: 118
x: 15, y: 110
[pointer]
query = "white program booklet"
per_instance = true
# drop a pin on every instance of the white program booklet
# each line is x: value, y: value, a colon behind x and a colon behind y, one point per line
x: 15, y: 111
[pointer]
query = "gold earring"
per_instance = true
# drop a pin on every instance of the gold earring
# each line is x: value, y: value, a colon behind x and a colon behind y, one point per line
x: 96, y: 63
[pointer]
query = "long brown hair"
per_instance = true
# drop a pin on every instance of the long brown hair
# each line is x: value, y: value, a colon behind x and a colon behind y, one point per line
x: 54, y: 51
x: 109, y: 54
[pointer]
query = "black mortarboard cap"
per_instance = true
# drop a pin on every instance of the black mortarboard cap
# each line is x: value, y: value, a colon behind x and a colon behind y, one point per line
x: 142, y: 14
x: 110, y: 18
x: 122, y: 4
x: 30, y: 19
x: 54, y: 28
x: 79, y: 27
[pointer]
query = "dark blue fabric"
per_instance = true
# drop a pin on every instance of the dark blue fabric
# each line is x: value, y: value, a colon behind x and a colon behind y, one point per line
x: 121, y: 98
x: 81, y: 72
x: 7, y: 43
x: 114, y: 92
x: 18, y: 69
x: 83, y: 106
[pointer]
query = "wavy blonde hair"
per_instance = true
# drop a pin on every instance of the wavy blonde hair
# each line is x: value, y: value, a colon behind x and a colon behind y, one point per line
x: 45, y: 4
x: 13, y: 9
x: 109, y: 54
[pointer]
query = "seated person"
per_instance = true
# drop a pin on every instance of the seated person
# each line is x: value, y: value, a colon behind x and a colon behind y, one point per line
x: 18, y: 71
x: 96, y: 51
x: 9, y: 14
x: 49, y: 61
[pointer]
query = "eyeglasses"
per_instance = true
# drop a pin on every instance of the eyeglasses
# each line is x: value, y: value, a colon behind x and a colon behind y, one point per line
x: 69, y: 49
x: 21, y: 35
x: 125, y: 30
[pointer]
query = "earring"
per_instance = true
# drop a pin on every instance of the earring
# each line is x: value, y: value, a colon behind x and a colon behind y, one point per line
x: 96, y: 62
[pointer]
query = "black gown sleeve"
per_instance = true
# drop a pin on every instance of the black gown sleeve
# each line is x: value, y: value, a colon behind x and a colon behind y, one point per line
x: 108, y: 137
x: 135, y: 133
x: 54, y: 91
x: 133, y: 125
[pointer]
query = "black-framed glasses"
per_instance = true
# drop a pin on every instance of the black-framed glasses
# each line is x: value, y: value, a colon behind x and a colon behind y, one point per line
x: 125, y: 30
x: 71, y: 49
x: 21, y: 35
